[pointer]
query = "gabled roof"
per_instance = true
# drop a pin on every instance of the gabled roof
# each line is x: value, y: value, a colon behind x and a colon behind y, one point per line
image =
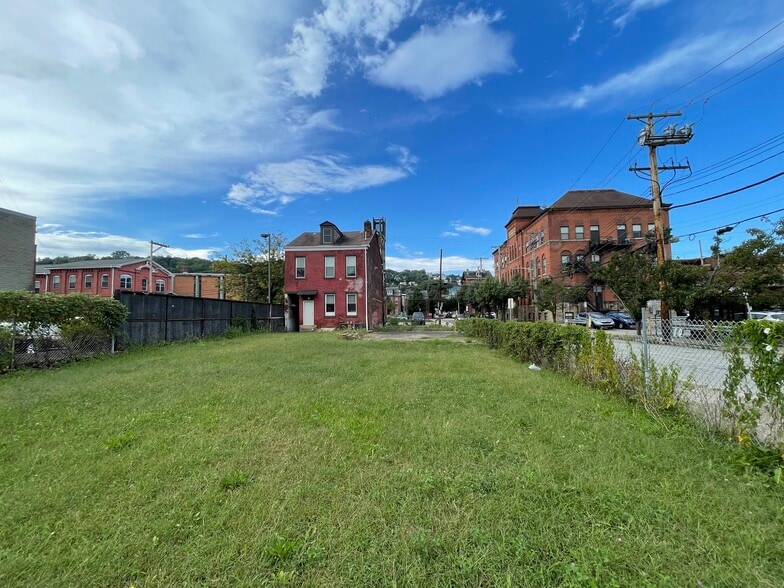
x: 348, y: 239
x: 97, y: 264
x: 587, y: 199
x: 524, y: 213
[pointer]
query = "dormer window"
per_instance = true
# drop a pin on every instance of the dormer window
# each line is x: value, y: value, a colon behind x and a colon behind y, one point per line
x: 327, y: 236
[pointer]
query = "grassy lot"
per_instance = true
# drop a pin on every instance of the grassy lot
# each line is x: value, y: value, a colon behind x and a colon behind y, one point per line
x: 306, y: 459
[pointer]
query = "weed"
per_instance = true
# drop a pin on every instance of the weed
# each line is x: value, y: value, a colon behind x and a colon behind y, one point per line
x: 235, y: 480
x: 119, y: 442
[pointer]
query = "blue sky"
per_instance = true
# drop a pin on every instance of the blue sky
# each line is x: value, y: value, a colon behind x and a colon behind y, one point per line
x: 200, y: 124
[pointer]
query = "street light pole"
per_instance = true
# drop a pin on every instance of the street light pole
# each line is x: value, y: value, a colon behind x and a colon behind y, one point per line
x: 268, y: 237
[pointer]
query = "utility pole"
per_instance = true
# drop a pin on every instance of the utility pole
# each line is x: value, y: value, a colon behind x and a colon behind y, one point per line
x: 647, y: 138
x: 440, y: 282
x: 156, y: 246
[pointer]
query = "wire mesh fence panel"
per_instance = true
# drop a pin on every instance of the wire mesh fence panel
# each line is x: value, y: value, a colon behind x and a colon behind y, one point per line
x: 48, y: 347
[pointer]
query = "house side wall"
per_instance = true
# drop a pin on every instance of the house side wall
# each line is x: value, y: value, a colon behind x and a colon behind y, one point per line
x: 17, y: 251
x: 201, y: 286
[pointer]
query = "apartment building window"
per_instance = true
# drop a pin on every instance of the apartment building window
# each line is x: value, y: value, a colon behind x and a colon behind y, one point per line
x: 160, y: 285
x: 72, y: 282
x: 144, y: 284
x: 636, y: 231
x: 596, y: 259
x: 88, y: 281
x: 622, y: 237
x: 104, y: 280
x: 55, y: 282
x: 564, y: 233
x: 326, y: 235
x: 351, y: 266
x: 544, y: 265
x: 329, y: 266
x: 595, y: 234
x: 566, y: 259
x: 351, y: 304
x: 651, y: 228
x: 579, y: 232
x: 300, y: 267
x: 329, y: 305
x: 126, y: 281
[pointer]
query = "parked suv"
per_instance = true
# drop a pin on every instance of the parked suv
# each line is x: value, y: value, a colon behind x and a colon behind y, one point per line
x: 622, y: 320
x: 418, y: 318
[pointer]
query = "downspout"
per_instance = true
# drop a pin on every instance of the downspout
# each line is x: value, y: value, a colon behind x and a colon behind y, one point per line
x: 367, y: 291
x: 112, y: 286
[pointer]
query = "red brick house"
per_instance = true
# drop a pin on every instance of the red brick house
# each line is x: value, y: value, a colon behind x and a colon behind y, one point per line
x: 335, y: 278
x: 580, y: 230
x: 102, y: 277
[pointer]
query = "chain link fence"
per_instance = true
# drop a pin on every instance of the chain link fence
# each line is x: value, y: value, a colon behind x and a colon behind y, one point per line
x: 697, y: 350
x: 21, y: 346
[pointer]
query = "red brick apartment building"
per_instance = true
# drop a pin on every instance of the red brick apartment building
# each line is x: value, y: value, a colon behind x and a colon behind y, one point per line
x: 582, y: 229
x: 101, y: 277
x: 335, y: 278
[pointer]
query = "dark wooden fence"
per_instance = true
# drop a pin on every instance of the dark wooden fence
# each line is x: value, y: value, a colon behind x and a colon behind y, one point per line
x: 166, y: 317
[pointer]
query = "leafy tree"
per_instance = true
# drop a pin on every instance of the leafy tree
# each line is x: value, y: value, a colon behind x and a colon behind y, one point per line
x: 416, y: 300
x: 633, y: 277
x: 247, y: 269
x: 65, y: 259
x: 120, y: 254
x: 549, y: 294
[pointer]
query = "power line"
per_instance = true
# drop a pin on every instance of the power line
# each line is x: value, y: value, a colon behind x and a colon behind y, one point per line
x: 773, y: 177
x: 733, y: 224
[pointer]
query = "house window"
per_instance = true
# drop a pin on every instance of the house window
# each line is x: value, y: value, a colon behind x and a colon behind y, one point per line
x: 88, y: 281
x: 126, y: 281
x: 329, y: 305
x: 160, y: 285
x: 579, y: 232
x: 55, y: 282
x: 564, y: 233
x: 71, y: 282
x: 104, y: 280
x: 621, y: 229
x: 351, y: 266
x: 326, y: 235
x: 351, y: 304
x: 37, y: 286
x: 144, y: 284
x: 595, y: 234
x: 329, y: 266
x: 300, y: 263
x: 636, y: 231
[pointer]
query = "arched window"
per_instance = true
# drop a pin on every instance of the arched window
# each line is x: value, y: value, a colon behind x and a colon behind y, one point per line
x: 126, y: 282
x: 144, y: 284
x: 544, y: 265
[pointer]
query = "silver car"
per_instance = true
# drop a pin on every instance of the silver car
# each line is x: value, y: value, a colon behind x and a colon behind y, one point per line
x: 598, y: 320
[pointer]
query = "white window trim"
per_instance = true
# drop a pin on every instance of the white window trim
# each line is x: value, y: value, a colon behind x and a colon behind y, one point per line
x: 354, y: 275
x: 104, y: 277
x: 86, y: 277
x: 162, y: 284
x: 72, y: 281
x: 334, y: 304
x: 356, y: 303
x: 126, y: 278
x: 326, y: 257
x: 297, y: 267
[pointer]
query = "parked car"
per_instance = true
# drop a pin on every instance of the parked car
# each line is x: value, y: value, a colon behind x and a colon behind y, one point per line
x: 767, y: 315
x: 418, y: 318
x: 622, y: 320
x: 598, y: 320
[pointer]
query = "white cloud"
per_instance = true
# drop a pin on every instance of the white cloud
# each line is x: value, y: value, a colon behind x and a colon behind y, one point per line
x: 631, y: 8
x: 451, y: 263
x: 681, y: 62
x: 440, y: 59
x: 450, y: 234
x: 53, y: 243
x: 200, y: 235
x: 281, y: 183
x: 577, y: 32
x: 463, y: 228
x: 103, y: 101
x: 316, y: 41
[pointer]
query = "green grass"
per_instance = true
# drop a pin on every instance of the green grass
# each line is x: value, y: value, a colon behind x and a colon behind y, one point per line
x: 306, y: 459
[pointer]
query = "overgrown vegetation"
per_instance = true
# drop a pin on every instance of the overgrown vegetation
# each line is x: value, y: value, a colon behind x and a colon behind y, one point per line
x: 307, y: 460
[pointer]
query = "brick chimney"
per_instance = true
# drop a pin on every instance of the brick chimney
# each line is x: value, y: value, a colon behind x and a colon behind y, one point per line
x: 368, y: 230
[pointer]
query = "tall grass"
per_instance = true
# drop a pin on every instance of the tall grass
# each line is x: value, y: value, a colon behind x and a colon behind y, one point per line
x: 307, y: 459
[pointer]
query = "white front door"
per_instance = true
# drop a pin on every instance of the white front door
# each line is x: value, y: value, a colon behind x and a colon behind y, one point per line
x: 307, y: 313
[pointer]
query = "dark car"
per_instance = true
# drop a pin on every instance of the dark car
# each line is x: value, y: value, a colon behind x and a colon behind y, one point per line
x: 418, y: 318
x: 622, y: 320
